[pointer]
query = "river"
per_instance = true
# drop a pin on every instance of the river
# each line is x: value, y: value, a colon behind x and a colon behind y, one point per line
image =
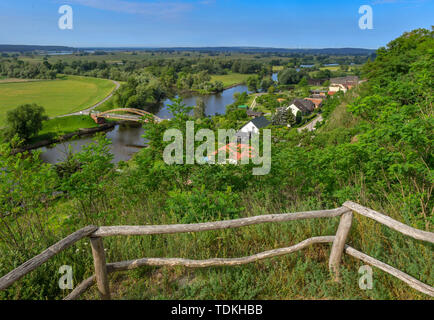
x: 127, y: 139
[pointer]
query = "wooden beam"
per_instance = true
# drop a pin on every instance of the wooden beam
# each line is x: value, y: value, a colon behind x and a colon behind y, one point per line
x: 133, y: 264
x: 183, y: 228
x: 81, y: 288
x: 100, y: 268
x: 412, y: 282
x: 391, y: 223
x: 339, y: 243
x: 43, y: 257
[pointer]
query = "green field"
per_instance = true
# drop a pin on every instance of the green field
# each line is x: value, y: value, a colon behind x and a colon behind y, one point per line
x: 230, y: 79
x: 60, y: 126
x: 65, y: 95
x: 66, y: 125
x: 277, y: 68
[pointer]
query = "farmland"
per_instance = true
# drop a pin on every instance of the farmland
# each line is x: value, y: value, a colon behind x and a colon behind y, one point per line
x: 65, y: 95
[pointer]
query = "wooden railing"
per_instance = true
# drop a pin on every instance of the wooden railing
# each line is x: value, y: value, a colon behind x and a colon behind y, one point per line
x: 339, y: 247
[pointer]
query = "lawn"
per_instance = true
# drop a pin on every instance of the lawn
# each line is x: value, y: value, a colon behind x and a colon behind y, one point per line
x: 231, y: 79
x: 61, y: 126
x: 66, y: 125
x: 331, y: 68
x: 277, y: 68
x: 66, y: 95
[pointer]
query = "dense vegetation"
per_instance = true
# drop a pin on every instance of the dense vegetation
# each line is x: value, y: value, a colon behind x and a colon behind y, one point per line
x: 375, y: 148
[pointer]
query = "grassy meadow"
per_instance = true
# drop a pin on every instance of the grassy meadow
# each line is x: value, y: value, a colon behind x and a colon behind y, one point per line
x: 66, y: 95
x: 230, y: 79
x: 277, y: 68
x: 61, y: 126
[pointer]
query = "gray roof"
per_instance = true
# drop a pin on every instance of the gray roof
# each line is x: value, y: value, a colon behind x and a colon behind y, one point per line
x: 317, y: 96
x: 304, y: 105
x: 260, y: 122
x: 345, y: 80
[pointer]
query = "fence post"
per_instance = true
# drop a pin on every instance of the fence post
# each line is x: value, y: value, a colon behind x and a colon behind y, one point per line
x: 99, y: 262
x: 339, y: 243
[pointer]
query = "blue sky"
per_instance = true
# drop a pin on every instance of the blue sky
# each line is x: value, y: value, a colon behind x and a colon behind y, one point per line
x: 161, y: 23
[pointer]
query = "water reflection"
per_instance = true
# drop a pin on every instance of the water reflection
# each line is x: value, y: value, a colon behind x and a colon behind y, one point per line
x: 215, y: 103
x: 126, y: 140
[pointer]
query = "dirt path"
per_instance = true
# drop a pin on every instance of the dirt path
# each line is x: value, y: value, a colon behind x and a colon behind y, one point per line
x: 86, y: 111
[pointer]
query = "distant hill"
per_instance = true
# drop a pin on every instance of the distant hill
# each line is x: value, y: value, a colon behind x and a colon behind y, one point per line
x: 30, y: 48
x: 326, y: 51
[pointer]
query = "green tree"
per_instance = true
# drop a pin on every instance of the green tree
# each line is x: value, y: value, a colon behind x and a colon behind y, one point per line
x: 303, y: 82
x: 253, y: 83
x: 179, y: 109
x: 199, y: 109
x: 86, y: 185
x: 26, y: 188
x: 289, y: 76
x: 25, y: 121
x: 266, y: 83
x: 298, y: 117
x: 283, y: 117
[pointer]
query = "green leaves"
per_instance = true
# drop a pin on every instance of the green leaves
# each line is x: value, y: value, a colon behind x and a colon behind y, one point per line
x: 88, y: 183
x: 25, y: 121
x: 201, y: 205
x: 26, y: 189
x: 179, y: 110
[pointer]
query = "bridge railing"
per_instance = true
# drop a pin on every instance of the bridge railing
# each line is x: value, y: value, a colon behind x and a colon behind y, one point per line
x: 339, y: 247
x: 130, y: 114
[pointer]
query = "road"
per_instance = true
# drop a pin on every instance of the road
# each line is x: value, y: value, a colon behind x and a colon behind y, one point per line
x: 311, y: 125
x: 86, y: 111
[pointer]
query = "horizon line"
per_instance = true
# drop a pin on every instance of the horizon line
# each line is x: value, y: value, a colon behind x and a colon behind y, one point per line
x: 183, y: 47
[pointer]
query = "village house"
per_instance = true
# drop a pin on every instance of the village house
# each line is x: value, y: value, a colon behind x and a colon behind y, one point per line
x: 322, y: 93
x: 349, y: 81
x: 317, y: 101
x: 237, y: 152
x: 336, y: 87
x: 316, y: 82
x: 303, y: 106
x: 342, y: 84
x: 252, y: 127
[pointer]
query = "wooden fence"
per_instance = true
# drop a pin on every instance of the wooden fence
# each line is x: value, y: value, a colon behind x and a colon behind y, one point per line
x: 339, y: 247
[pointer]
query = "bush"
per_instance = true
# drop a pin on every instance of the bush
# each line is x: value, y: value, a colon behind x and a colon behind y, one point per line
x: 24, y: 121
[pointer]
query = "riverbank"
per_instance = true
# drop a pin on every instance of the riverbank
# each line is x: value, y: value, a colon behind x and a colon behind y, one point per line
x: 66, y: 137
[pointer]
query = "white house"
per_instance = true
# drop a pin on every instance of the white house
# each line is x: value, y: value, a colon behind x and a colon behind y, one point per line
x: 294, y: 109
x: 336, y: 87
x: 253, y: 127
x: 301, y: 105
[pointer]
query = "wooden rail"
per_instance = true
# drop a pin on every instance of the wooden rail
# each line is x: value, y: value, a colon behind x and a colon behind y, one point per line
x: 339, y: 247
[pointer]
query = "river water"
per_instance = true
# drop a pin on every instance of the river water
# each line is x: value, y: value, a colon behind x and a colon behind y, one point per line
x: 127, y: 139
